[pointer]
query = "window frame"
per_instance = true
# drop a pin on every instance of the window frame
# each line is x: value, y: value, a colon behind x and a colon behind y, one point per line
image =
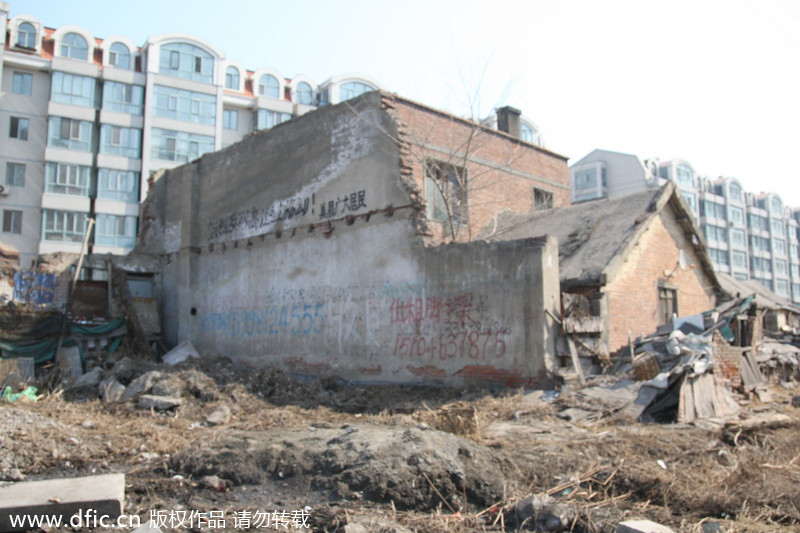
x: 446, y: 192
x: 12, y: 221
x: 22, y: 83
x: 18, y: 128
x: 70, y: 43
x: 15, y: 177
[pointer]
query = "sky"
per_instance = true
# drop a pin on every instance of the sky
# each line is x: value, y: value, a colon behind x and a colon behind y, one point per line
x: 715, y: 82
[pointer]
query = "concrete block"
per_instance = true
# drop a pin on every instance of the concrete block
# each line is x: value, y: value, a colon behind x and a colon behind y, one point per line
x: 160, y: 403
x: 642, y: 526
x: 93, y: 497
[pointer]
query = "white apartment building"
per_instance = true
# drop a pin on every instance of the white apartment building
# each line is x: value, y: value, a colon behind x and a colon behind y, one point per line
x: 85, y: 121
x: 750, y: 236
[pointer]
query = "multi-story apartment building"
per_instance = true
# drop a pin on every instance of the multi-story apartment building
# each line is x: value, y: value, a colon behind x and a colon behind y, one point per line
x: 85, y: 121
x: 750, y: 236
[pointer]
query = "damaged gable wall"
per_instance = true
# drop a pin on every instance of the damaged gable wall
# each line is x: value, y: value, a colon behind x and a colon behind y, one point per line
x: 503, y: 174
x: 632, y: 295
x: 298, y: 248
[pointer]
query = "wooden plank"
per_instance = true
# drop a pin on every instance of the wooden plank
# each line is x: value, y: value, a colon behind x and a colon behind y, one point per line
x: 576, y: 362
x: 703, y: 402
x: 686, y: 403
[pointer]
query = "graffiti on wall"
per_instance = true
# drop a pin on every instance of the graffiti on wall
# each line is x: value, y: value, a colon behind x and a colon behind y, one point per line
x: 435, y: 323
x: 255, y: 220
x: 34, y: 288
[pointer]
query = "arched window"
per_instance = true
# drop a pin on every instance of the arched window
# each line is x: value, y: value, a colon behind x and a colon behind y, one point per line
x: 526, y: 133
x: 232, y: 78
x: 74, y: 46
x: 352, y: 89
x: 303, y: 93
x: 186, y: 61
x: 119, y: 56
x: 26, y: 35
x: 735, y: 192
x: 268, y: 86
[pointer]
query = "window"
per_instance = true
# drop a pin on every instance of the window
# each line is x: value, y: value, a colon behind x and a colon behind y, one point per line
x: 775, y: 206
x: 761, y: 265
x: 716, y: 233
x: 525, y: 133
x: 737, y: 215
x: 684, y: 176
x: 782, y: 287
x: 585, y: 179
x: 757, y: 222
x: 759, y: 244
x: 123, y: 98
x: 15, y: 174
x: 119, y: 56
x: 12, y: 221
x: 18, y: 128
x: 691, y: 199
x: 352, y: 89
x: 712, y: 210
x: 120, y: 185
x: 268, y: 86
x: 184, y: 60
x: 445, y: 191
x: 26, y: 35
x: 179, y: 146
x: 116, y: 230
x: 304, y: 93
x: 63, y: 226
x: 70, y: 133
x: 667, y: 305
x: 719, y: 257
x: 267, y: 119
x: 777, y: 227
x: 230, y: 119
x: 542, y: 200
x: 232, y: 78
x: 794, y: 270
x: 61, y: 178
x: 22, y: 83
x: 72, y: 89
x: 115, y: 140
x: 74, y: 46
x: 739, y: 259
x: 738, y: 238
x: 781, y: 267
x: 188, y: 106
x: 735, y: 192
x: 779, y: 247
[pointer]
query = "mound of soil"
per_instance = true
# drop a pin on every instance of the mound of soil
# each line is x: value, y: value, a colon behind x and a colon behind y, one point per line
x: 416, y: 468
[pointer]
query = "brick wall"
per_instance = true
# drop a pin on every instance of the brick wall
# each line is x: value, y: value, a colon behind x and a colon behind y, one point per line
x: 633, y: 293
x: 502, y: 172
x: 727, y: 360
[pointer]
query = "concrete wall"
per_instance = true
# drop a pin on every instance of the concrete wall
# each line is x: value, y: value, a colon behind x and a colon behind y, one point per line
x: 296, y: 248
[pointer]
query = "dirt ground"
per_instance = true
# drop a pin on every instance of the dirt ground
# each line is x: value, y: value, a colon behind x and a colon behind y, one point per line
x: 401, y: 459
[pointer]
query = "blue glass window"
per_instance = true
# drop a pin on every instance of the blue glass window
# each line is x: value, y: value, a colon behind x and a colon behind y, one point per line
x: 74, y: 46
x: 72, y: 89
x: 268, y: 86
x: 119, y: 56
x: 189, y: 106
x: 123, y: 98
x: 232, y: 78
x: 120, y: 185
x: 26, y: 35
x: 183, y: 60
x: 304, y: 93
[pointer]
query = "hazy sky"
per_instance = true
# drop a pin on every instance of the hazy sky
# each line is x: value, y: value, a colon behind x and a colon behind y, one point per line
x: 716, y: 82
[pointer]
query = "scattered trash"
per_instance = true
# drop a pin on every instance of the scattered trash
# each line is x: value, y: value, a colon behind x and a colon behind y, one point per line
x: 28, y: 394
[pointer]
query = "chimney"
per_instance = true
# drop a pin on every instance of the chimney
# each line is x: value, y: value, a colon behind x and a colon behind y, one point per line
x: 508, y: 120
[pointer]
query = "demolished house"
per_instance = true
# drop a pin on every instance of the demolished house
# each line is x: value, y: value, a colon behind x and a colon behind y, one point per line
x: 317, y: 247
x: 628, y: 265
